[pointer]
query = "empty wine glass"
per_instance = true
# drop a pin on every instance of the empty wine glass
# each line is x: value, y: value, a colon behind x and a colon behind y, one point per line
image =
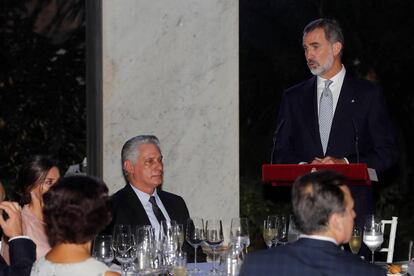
x: 373, y: 236
x: 124, y: 246
x: 179, y: 232
x: 293, y: 232
x: 195, y: 236
x: 270, y: 230
x: 355, y: 242
x: 214, y: 238
x: 102, y: 249
x: 239, y: 233
x: 281, y: 230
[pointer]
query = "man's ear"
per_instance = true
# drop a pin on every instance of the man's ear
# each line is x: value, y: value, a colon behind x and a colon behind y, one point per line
x: 337, y: 47
x: 128, y: 167
x: 336, y: 225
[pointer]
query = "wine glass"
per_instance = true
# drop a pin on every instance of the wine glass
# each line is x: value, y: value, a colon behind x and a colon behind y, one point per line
x: 214, y: 238
x: 293, y: 232
x: 355, y: 242
x: 195, y: 236
x: 373, y: 236
x: 281, y: 230
x: 270, y: 230
x: 124, y: 246
x: 179, y: 232
x: 102, y: 249
x: 239, y: 233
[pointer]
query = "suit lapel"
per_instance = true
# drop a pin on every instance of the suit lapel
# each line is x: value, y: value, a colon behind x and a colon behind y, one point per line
x: 167, y: 204
x: 344, y: 110
x: 311, y: 113
x: 139, y: 215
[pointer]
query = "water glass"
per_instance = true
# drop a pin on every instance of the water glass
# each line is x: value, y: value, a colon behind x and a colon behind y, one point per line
x: 373, y: 236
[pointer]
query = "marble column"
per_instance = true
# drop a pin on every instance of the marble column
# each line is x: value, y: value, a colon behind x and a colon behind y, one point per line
x: 170, y: 68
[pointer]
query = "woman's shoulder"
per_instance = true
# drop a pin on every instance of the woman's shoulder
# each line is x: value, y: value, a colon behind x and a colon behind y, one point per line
x: 87, y: 267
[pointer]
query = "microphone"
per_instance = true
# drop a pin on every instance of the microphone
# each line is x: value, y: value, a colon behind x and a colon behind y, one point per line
x: 356, y: 140
x: 275, y: 138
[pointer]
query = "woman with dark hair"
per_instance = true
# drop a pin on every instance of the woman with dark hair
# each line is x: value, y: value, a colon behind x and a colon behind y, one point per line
x: 36, y: 177
x: 75, y: 211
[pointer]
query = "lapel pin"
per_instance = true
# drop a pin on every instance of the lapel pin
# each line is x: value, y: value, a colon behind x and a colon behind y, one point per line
x: 352, y: 101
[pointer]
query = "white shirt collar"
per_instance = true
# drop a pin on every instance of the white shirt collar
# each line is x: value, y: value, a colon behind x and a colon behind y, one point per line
x: 318, y: 237
x: 335, y: 87
x: 143, y: 197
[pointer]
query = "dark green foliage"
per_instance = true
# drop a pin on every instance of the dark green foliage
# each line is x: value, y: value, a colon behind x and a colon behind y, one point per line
x: 42, y: 85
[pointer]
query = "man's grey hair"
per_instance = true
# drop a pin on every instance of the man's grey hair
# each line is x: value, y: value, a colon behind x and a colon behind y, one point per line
x: 333, y: 32
x: 130, y: 150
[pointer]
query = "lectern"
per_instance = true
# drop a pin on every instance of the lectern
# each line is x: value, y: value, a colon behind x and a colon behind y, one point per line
x: 286, y: 174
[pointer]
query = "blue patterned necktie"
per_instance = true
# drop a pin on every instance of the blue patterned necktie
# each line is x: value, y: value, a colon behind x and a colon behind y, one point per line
x: 325, y: 114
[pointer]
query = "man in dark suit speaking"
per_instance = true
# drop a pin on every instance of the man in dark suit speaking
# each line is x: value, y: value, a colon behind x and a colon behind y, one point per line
x: 140, y: 202
x: 323, y: 210
x: 22, y: 249
x: 334, y: 118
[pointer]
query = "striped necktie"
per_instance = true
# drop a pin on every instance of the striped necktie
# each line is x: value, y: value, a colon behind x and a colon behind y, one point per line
x: 156, y: 209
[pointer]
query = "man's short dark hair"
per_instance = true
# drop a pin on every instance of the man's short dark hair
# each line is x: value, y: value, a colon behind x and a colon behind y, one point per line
x: 333, y: 32
x: 76, y: 209
x: 315, y: 197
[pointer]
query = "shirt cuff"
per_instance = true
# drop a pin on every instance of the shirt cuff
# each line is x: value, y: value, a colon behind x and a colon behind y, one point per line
x: 19, y: 237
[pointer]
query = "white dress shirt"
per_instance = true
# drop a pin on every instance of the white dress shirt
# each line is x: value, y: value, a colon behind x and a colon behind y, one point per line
x: 144, y: 198
x: 335, y: 87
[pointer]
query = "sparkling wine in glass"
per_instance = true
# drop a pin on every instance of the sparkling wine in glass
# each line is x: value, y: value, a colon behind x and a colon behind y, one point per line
x: 373, y: 236
x: 355, y: 242
x: 102, y: 249
x: 214, y: 238
x: 195, y: 236
x: 270, y: 230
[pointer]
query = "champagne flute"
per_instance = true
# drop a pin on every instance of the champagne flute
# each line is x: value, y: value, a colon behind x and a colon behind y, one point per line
x: 124, y: 246
x: 195, y: 236
x: 281, y: 230
x: 179, y: 232
x: 239, y: 233
x: 373, y: 236
x: 214, y: 238
x: 270, y: 230
x: 355, y: 242
x: 102, y: 249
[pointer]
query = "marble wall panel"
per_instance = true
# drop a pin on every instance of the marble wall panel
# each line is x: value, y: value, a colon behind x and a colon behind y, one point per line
x: 170, y: 68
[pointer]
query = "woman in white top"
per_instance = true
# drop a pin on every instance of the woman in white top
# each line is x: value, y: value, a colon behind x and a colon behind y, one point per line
x: 75, y: 210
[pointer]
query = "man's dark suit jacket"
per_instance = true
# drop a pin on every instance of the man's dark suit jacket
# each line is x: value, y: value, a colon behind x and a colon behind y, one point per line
x: 308, y: 257
x: 127, y: 209
x: 360, y: 115
x: 22, y: 257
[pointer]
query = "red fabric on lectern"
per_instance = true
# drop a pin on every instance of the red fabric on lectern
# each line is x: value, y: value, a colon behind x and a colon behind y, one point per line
x: 286, y: 174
